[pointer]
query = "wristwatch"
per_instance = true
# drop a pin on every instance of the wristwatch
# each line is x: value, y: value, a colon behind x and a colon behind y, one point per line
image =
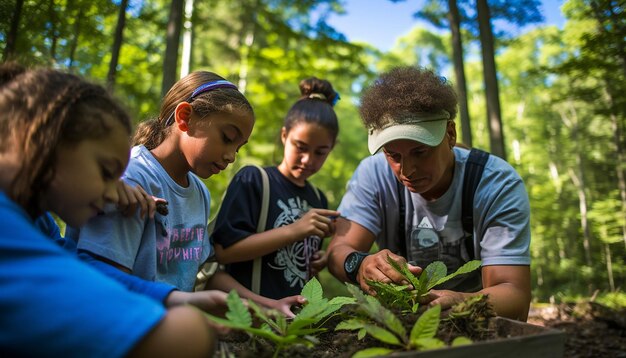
x: 352, y: 264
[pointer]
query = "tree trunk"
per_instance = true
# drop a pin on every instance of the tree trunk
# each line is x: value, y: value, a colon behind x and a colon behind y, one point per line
x: 74, y: 44
x: 579, y: 183
x: 248, y: 28
x: 117, y: 45
x: 496, y: 136
x: 170, y: 62
x: 11, y: 39
x: 53, y: 30
x: 457, y: 55
x: 609, y: 266
x: 187, y: 39
x: 578, y: 180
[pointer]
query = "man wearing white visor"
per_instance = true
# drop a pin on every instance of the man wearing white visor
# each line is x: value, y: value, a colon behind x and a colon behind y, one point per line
x: 408, y: 198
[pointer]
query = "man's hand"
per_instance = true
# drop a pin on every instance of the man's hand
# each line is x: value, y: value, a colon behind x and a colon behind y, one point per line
x: 445, y: 298
x: 376, y: 268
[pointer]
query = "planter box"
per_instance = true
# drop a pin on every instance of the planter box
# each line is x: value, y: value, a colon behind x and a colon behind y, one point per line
x: 518, y: 340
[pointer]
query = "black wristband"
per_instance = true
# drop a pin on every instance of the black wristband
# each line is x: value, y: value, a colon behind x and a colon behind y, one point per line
x: 352, y: 264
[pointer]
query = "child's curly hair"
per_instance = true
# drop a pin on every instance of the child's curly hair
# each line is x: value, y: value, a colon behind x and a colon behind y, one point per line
x: 404, y: 91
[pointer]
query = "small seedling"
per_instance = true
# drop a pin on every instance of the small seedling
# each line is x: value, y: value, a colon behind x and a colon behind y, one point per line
x: 406, y: 297
x: 380, y: 323
x: 277, y: 328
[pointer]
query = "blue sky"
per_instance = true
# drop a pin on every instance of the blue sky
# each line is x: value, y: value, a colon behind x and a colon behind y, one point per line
x: 381, y: 22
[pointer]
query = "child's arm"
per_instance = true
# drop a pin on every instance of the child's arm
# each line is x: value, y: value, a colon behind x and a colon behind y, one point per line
x: 224, y: 282
x: 211, y: 301
x: 314, y: 222
x: 130, y: 198
x: 183, y: 332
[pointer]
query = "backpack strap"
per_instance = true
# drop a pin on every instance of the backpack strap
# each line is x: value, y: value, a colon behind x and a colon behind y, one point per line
x: 473, y: 172
x: 265, y: 201
x: 402, y: 220
x: 317, y: 192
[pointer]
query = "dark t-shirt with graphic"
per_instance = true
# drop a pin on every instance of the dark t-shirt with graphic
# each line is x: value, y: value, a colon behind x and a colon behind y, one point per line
x: 284, y: 272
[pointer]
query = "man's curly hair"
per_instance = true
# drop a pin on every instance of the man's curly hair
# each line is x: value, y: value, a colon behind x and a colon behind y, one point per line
x: 404, y: 91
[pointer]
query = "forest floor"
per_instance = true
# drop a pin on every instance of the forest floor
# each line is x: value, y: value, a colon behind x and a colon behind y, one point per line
x: 592, y: 330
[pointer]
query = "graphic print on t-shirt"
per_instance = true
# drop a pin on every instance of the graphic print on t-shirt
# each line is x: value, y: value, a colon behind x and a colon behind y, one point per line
x: 293, y: 260
x: 424, y: 244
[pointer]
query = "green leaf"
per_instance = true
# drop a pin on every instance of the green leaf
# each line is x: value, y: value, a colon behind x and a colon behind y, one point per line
x: 404, y: 270
x: 467, y: 268
x: 312, y: 290
x: 237, y: 312
x: 361, y: 334
x: 372, y: 352
x: 461, y: 341
x: 426, y: 326
x: 382, y: 334
x: 432, y: 273
x: 296, y: 326
x: 350, y: 325
x: 428, y: 343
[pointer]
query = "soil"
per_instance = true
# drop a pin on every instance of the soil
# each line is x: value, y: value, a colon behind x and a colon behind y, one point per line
x: 592, y: 331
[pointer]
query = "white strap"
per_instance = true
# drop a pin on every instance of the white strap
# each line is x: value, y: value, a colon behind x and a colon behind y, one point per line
x: 265, y: 201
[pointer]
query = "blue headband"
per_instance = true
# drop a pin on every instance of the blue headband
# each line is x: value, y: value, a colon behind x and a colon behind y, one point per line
x: 209, y: 86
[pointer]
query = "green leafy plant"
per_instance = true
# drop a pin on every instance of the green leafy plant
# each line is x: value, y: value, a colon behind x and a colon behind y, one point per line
x: 276, y: 327
x: 380, y: 323
x: 406, y: 297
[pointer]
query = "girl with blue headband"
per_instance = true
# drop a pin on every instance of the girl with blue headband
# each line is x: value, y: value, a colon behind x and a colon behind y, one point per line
x: 278, y: 256
x: 203, y: 122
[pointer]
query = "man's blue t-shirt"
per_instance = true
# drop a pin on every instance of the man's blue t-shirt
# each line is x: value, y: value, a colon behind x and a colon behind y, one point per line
x: 285, y: 271
x: 433, y: 229
x: 54, y: 305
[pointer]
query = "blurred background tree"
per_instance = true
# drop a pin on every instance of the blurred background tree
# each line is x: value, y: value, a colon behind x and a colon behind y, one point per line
x: 562, y: 108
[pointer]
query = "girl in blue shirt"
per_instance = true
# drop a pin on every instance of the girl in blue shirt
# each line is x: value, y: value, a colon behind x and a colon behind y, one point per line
x: 63, y: 146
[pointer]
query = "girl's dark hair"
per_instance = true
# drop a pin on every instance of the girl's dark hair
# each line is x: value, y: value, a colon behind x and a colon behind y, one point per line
x: 406, y: 90
x: 315, y: 105
x: 42, y: 109
x: 153, y: 132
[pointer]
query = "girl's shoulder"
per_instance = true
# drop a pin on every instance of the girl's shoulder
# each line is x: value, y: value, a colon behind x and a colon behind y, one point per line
x: 250, y: 174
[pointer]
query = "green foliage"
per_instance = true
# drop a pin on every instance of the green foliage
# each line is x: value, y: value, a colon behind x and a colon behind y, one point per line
x: 406, y: 297
x: 276, y: 327
x: 383, y: 325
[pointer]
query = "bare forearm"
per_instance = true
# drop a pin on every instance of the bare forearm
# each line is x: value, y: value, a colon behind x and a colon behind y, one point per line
x: 509, y: 301
x: 224, y: 282
x: 257, y: 245
x: 336, y: 257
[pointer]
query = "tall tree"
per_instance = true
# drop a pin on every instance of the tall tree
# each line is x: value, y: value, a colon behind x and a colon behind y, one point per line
x: 11, y: 38
x: 53, y: 33
x: 170, y: 62
x: 438, y: 12
x: 454, y: 20
x: 490, y: 78
x: 117, y: 44
x: 185, y: 64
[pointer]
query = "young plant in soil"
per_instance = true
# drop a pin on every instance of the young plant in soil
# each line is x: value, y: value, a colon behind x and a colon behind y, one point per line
x: 380, y: 323
x: 406, y: 297
x: 276, y: 327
